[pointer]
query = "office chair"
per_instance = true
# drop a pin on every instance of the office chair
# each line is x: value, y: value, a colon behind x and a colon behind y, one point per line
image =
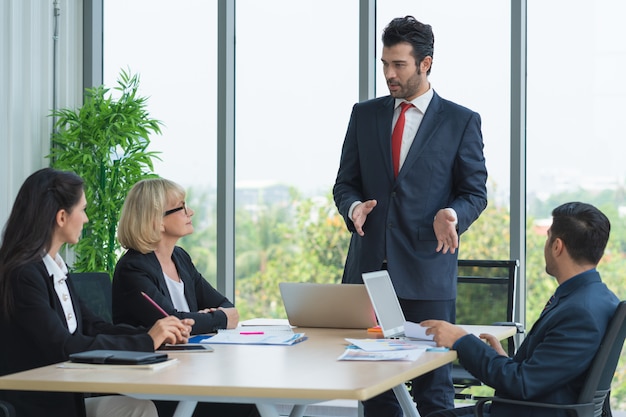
x: 6, y: 409
x: 94, y: 289
x: 592, y: 400
x: 485, y: 295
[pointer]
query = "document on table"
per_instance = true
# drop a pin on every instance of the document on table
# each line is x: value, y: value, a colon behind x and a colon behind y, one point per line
x: 266, y: 322
x: 394, y: 355
x: 382, y: 350
x: 246, y: 336
x: 382, y: 345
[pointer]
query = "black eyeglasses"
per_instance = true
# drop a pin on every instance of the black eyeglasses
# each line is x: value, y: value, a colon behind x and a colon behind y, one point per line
x: 174, y: 210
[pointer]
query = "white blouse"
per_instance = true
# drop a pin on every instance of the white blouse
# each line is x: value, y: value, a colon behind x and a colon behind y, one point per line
x: 58, y: 273
x: 177, y: 292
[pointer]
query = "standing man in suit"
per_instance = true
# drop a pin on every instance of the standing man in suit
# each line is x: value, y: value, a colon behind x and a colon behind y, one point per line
x: 551, y: 364
x: 407, y: 202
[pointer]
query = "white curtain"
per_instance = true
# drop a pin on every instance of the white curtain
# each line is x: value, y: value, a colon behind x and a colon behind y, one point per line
x: 27, y: 83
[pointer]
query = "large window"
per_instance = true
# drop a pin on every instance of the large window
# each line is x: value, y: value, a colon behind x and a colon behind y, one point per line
x: 296, y: 80
x: 173, y: 47
x: 575, y: 146
x: 575, y: 100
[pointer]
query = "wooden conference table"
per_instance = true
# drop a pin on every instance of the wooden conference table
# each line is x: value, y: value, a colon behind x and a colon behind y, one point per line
x: 301, y: 374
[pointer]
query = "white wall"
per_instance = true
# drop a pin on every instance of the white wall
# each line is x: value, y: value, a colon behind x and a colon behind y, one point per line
x: 27, y: 29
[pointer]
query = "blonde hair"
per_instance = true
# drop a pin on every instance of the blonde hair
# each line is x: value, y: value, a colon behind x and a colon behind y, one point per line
x: 142, y: 214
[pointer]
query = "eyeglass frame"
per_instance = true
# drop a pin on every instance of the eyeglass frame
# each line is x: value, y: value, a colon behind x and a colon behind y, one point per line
x: 174, y: 210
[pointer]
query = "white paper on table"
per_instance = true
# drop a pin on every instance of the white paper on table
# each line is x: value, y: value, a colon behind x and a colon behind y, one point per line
x: 386, y: 345
x: 352, y: 354
x: 265, y: 322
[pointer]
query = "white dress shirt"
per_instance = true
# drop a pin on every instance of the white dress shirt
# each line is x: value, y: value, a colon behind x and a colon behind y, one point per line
x: 412, y: 120
x: 58, y: 273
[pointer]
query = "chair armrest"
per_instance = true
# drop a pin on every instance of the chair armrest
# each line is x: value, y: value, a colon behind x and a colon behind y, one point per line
x: 518, y: 326
x: 584, y: 409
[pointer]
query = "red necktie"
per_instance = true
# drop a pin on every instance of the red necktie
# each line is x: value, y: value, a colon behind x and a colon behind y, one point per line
x: 396, y: 137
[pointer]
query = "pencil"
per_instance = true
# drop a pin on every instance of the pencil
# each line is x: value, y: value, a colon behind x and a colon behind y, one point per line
x: 158, y: 307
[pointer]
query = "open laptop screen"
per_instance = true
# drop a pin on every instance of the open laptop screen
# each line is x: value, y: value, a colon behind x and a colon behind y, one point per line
x: 385, y: 302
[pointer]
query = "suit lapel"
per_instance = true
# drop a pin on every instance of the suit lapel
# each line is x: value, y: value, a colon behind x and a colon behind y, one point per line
x: 384, y: 118
x: 426, y: 132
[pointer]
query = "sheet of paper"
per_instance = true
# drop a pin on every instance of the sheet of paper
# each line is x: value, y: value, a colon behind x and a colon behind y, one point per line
x: 415, y: 331
x: 351, y: 354
x: 242, y: 336
x: 265, y: 322
x: 386, y: 345
x: 263, y: 328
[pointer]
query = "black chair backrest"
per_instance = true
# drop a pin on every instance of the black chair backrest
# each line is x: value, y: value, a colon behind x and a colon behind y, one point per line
x: 602, y: 369
x: 94, y: 289
x: 485, y: 292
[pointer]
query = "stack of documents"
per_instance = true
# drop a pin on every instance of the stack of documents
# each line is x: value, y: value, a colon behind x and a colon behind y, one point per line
x: 254, y: 335
x: 382, y: 350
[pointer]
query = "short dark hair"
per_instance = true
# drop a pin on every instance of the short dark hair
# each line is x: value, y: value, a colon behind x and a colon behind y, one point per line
x: 583, y: 229
x: 408, y: 29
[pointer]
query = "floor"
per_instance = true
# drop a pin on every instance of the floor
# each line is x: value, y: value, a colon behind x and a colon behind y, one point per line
x: 346, y: 408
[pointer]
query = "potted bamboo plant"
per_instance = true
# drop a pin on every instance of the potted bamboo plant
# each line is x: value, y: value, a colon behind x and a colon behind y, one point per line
x: 105, y: 141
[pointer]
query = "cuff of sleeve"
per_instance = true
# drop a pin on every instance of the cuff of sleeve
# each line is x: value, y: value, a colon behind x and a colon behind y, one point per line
x: 460, y: 341
x: 453, y: 212
x: 356, y: 203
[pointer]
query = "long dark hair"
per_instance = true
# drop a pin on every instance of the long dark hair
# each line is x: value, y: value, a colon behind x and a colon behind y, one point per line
x: 27, y: 235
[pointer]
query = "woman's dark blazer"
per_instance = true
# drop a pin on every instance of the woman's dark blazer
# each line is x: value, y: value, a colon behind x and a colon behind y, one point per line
x: 36, y: 334
x: 136, y: 272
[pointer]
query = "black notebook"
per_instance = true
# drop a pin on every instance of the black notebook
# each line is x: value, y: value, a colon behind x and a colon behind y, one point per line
x: 118, y: 357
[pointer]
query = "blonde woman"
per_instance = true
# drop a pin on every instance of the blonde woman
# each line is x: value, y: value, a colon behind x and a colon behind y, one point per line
x: 154, y: 217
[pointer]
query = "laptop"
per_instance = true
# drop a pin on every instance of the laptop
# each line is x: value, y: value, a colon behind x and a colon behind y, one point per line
x: 385, y: 301
x: 341, y: 306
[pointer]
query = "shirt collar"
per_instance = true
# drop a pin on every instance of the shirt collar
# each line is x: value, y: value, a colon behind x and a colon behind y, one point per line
x: 56, y: 267
x: 421, y: 102
x: 576, y: 281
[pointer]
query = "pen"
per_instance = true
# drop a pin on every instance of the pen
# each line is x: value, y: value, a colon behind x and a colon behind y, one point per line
x: 251, y: 332
x: 158, y: 307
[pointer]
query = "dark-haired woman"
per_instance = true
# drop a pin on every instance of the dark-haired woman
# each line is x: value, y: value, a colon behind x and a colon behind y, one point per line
x: 42, y: 320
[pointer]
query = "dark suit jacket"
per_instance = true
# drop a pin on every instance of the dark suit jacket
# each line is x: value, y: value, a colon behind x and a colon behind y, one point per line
x: 445, y: 167
x: 37, y: 335
x: 136, y: 272
x: 551, y: 364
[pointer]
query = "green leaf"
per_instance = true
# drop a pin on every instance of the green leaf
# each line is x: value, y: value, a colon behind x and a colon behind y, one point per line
x: 85, y: 142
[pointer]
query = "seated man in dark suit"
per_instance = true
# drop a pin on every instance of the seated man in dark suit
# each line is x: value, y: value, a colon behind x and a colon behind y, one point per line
x: 551, y: 364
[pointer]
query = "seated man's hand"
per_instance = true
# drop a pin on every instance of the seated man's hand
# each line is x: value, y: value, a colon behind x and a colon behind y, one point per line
x: 494, y: 343
x: 444, y: 333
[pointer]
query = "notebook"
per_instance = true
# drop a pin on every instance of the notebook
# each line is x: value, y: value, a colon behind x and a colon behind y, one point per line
x: 385, y: 301
x: 342, y: 306
x: 118, y: 357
